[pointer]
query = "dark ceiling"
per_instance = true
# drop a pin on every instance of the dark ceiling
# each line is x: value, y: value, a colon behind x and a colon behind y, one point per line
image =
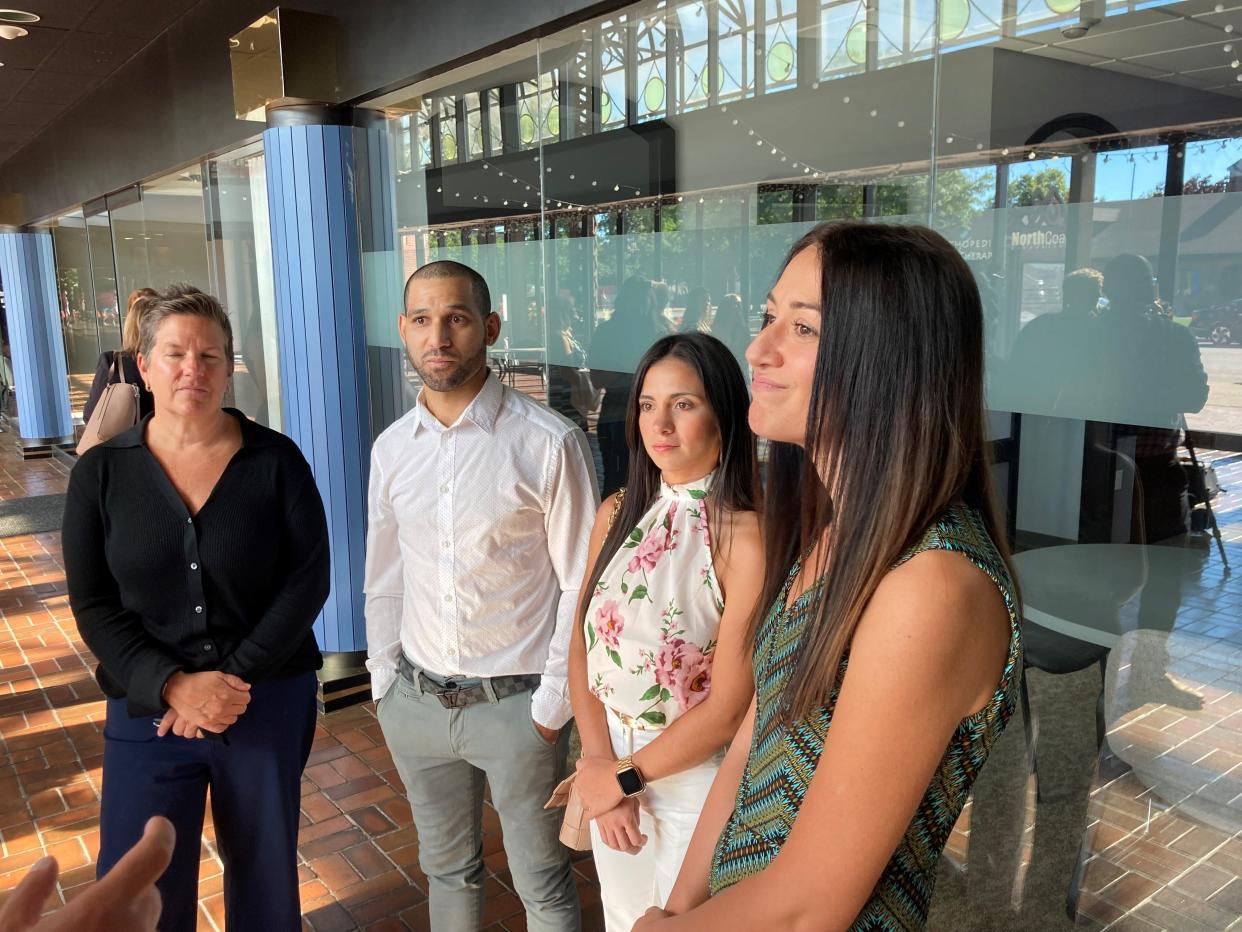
x: 76, y: 45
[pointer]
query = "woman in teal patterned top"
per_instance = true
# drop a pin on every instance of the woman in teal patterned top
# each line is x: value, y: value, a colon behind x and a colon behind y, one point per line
x: 886, y: 662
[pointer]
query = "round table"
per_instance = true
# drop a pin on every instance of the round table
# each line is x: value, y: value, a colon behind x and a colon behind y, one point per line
x: 1083, y: 591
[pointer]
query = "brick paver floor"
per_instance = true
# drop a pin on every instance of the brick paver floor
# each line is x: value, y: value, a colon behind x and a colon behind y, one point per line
x: 358, y: 854
x: 1152, y: 861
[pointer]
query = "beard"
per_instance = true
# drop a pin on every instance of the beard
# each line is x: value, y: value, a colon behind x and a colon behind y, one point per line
x: 446, y: 379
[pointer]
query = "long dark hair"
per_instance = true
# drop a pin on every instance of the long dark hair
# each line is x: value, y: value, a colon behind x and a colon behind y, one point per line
x: 895, y: 431
x: 735, y: 486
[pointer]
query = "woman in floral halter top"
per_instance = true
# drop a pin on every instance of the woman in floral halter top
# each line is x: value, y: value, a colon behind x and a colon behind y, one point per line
x: 658, y: 671
x: 887, y: 653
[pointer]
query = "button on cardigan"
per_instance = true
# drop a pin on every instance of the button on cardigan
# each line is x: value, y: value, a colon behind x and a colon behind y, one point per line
x: 156, y: 590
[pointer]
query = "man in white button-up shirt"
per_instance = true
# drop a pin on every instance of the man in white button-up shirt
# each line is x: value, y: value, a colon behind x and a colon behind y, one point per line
x: 480, y: 508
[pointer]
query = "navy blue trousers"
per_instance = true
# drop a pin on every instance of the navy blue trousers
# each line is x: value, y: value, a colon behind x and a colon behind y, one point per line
x: 255, y: 783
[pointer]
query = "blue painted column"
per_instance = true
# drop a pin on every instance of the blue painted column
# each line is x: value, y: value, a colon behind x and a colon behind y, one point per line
x: 41, y: 380
x: 312, y: 206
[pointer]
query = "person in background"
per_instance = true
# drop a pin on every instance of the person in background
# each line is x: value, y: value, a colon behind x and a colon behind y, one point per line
x: 697, y: 318
x: 661, y: 294
x: 658, y: 671
x: 196, y: 559
x: 568, y: 379
x: 888, y: 657
x: 730, y: 326
x: 479, y: 512
x: 125, y: 359
x: 618, y: 344
x: 1050, y: 367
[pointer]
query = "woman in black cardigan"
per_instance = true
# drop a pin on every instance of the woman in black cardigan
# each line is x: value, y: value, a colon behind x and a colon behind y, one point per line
x: 196, y: 554
x: 113, y: 364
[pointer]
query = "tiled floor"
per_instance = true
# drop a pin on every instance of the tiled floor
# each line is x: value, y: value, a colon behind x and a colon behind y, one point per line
x: 1153, y: 860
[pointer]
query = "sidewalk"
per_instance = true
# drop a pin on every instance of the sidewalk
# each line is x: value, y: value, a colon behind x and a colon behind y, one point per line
x: 358, y: 853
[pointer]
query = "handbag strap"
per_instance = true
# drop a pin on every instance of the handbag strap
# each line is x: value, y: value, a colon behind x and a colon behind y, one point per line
x: 616, y: 508
x: 119, y: 367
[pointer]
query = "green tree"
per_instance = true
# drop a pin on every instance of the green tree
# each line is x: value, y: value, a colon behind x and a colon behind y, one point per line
x: 1195, y: 184
x: 774, y: 206
x: 1038, y: 189
x: 961, y: 195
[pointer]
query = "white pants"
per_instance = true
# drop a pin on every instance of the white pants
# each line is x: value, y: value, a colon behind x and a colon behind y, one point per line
x: 630, y: 884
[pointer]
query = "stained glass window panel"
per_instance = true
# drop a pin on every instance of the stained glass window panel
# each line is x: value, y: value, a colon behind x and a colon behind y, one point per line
x: 781, y: 45
x: 692, y: 78
x: 843, y: 30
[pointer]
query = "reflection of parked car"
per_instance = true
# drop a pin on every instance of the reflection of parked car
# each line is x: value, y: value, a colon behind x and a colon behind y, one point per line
x: 1221, y: 324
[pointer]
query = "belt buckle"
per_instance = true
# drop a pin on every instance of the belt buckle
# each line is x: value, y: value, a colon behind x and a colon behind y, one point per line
x: 450, y: 696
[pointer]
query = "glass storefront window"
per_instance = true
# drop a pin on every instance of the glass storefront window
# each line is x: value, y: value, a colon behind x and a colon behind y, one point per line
x: 103, y: 280
x: 156, y: 235
x: 1131, y: 175
x: 75, y: 293
x: 175, y: 230
x: 131, y: 242
x: 1086, y: 160
x: 240, y: 256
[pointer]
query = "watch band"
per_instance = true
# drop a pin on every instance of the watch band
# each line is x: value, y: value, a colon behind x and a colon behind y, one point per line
x: 630, y: 778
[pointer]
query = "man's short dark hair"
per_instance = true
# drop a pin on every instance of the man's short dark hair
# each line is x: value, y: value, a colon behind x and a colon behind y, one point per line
x: 447, y: 268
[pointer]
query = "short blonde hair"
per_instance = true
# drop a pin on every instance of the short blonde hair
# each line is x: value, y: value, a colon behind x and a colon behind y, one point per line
x: 182, y: 299
x: 135, y: 307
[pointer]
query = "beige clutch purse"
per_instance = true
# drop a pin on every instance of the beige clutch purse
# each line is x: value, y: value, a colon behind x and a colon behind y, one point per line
x: 576, y: 826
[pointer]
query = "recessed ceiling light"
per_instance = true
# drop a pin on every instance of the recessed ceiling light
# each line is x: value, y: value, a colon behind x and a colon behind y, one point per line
x: 18, y: 16
x: 12, y: 32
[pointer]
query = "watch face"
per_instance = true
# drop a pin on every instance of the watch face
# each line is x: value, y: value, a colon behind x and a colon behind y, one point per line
x: 630, y: 781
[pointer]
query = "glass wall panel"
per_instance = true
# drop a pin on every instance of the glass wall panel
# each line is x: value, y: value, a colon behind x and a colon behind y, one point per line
x: 240, y: 256
x: 175, y: 230
x: 131, y: 243
x: 746, y: 121
x: 648, y: 170
x: 1107, y: 259
x: 103, y: 281
x: 76, y: 298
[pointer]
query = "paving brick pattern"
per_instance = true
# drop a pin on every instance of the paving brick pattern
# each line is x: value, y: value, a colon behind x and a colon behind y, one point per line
x: 1150, y: 863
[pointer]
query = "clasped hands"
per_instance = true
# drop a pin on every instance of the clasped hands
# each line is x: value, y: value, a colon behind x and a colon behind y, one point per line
x: 198, y: 702
x: 615, y: 815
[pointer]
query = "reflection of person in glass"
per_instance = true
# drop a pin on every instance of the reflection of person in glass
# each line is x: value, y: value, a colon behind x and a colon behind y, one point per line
x: 1149, y: 375
x: 698, y: 306
x: 730, y: 327
x: 1048, y: 365
x: 618, y: 344
x: 569, y: 384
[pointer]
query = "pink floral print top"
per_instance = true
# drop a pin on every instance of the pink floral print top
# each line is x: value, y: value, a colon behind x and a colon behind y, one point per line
x: 652, y: 621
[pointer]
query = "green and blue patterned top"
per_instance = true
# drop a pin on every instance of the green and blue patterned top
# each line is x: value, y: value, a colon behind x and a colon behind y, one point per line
x: 784, y: 755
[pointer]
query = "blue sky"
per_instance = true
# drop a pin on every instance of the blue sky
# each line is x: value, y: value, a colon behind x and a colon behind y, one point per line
x: 1116, y: 179
x: 1212, y: 159
x: 1129, y: 174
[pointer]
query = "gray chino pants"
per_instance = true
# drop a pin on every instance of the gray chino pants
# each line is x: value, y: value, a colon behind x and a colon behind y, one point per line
x: 443, y: 757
